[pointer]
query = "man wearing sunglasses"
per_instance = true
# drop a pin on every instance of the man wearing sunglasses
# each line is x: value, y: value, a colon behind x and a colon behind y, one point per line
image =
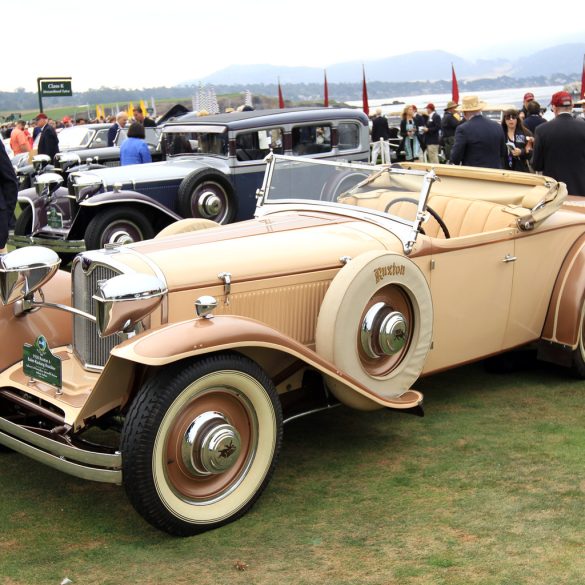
x: 559, y: 146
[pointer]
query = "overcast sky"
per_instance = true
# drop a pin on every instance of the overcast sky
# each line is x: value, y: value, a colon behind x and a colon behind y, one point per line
x: 144, y: 43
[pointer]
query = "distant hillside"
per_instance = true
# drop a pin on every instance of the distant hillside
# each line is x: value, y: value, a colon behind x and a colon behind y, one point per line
x: 564, y: 59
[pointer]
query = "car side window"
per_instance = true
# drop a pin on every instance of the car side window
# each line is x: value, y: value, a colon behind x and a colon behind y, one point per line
x: 349, y: 136
x: 101, y: 139
x: 257, y: 144
x: 313, y: 139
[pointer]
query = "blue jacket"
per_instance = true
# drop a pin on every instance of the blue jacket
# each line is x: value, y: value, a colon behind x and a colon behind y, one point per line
x: 479, y: 142
x: 134, y: 151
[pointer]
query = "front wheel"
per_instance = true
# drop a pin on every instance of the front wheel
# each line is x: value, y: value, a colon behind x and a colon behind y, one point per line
x: 23, y: 226
x: 117, y: 225
x: 200, y: 443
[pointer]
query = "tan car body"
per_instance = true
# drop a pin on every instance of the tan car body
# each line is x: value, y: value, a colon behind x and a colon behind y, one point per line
x: 512, y: 273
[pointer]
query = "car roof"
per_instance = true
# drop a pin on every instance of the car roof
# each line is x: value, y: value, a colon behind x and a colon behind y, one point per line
x: 254, y: 118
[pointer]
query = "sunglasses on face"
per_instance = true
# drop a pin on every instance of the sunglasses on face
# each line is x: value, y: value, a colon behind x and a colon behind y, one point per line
x: 511, y: 117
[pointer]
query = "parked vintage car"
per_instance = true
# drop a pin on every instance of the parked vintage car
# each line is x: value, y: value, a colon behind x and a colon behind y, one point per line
x: 213, y: 167
x: 351, y: 282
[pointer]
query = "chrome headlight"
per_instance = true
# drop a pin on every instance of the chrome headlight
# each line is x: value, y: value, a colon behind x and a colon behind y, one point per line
x: 66, y: 160
x: 124, y: 300
x: 85, y: 185
x: 24, y: 271
x: 48, y: 182
x: 40, y: 161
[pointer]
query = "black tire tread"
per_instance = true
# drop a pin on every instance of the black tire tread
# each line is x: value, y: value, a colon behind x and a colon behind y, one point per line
x: 23, y: 226
x: 139, y: 432
x: 99, y: 222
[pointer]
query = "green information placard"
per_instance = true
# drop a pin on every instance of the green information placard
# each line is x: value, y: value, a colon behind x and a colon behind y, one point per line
x: 57, y: 87
x: 39, y: 363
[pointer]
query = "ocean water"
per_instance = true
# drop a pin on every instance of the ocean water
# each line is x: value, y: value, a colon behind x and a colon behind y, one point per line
x: 497, y: 97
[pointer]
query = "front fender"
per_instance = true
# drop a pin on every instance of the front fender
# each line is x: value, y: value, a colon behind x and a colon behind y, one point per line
x: 197, y: 337
x: 54, y: 324
x: 39, y: 203
x: 89, y: 207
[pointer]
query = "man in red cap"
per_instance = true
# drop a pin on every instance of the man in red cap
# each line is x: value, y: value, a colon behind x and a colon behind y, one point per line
x: 559, y: 146
x: 48, y: 143
x: 528, y: 97
x: 432, y: 134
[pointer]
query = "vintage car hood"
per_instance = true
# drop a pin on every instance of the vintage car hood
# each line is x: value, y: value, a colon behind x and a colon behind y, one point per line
x: 174, y: 168
x: 281, y: 244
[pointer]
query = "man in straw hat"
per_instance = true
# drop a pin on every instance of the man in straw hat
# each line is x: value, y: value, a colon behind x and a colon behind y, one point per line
x: 559, y: 146
x: 479, y: 142
x: 451, y: 119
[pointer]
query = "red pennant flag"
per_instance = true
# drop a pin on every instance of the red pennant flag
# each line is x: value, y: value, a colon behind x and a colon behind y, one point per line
x: 583, y: 81
x: 365, y: 94
x: 326, y: 92
x: 280, y: 98
x: 454, y: 86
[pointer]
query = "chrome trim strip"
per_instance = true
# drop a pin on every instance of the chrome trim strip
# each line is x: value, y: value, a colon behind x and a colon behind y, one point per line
x: 69, y: 246
x: 62, y: 457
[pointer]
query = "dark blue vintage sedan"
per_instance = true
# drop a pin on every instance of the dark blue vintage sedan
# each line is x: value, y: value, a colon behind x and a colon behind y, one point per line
x: 213, y: 166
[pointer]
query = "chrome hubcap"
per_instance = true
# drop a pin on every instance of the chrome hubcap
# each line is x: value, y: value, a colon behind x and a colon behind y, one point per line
x: 383, y: 331
x: 210, y: 445
x: 121, y: 237
x: 209, y: 204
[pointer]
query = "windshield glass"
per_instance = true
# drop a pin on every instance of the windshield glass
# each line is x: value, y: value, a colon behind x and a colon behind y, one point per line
x: 375, y: 188
x: 191, y: 141
x: 75, y: 137
x: 151, y: 136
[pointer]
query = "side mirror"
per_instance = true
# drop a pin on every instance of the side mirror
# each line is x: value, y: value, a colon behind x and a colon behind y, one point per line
x: 24, y: 271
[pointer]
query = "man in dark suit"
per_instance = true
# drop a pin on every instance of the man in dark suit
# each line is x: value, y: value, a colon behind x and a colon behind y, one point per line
x: 48, y: 142
x: 380, y: 130
x: 121, y: 120
x: 8, y: 195
x: 559, y: 146
x: 479, y: 142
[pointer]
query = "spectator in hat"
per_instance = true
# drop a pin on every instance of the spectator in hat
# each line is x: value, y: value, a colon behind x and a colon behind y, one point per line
x: 432, y: 134
x: 451, y: 119
x: 8, y: 196
x: 479, y: 142
x: 528, y: 97
x: 67, y: 122
x: 47, y: 141
x: 134, y: 150
x: 559, y: 146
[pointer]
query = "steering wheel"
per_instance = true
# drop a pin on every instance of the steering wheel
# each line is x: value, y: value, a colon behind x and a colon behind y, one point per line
x: 429, y: 209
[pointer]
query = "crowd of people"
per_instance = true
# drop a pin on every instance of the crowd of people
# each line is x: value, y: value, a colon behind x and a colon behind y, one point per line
x: 522, y: 141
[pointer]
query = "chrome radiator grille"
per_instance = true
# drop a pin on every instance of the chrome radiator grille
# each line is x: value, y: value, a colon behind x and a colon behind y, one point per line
x: 90, y: 348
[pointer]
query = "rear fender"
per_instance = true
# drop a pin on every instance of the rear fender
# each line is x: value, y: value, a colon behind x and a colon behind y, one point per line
x: 198, y: 337
x: 561, y: 326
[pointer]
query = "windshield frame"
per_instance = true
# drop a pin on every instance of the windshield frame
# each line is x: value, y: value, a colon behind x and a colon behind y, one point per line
x: 266, y: 205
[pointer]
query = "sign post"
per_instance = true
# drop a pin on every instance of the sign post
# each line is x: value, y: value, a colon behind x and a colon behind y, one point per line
x: 53, y: 87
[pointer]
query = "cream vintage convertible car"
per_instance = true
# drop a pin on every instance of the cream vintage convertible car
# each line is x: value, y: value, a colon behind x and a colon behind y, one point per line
x: 170, y: 365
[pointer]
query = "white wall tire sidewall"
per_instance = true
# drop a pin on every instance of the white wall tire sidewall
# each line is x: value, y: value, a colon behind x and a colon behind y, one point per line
x: 232, y: 502
x: 339, y: 320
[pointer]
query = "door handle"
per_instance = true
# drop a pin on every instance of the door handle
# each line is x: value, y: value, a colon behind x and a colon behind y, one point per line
x: 509, y: 258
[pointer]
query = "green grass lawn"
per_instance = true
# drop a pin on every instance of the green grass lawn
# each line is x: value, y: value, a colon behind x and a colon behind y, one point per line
x: 488, y: 488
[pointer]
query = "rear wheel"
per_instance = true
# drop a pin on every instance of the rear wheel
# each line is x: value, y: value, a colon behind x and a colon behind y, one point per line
x: 117, y: 225
x: 200, y: 443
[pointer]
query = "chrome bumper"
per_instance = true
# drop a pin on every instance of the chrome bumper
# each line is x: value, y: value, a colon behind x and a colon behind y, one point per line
x: 94, y: 466
x: 58, y: 245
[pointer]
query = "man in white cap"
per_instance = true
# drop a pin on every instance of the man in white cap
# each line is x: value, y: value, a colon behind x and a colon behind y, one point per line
x: 479, y: 142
